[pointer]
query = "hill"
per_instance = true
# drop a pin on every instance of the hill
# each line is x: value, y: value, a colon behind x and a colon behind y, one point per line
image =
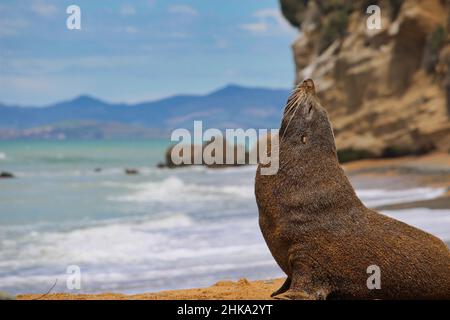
x: 90, y: 118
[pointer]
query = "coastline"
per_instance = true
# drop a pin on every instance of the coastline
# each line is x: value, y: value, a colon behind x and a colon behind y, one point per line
x: 431, y: 170
x: 222, y: 290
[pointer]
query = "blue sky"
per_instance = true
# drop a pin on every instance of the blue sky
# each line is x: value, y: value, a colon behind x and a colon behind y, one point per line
x: 137, y: 50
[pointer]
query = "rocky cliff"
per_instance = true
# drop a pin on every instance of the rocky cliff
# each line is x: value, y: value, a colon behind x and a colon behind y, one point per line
x: 387, y: 90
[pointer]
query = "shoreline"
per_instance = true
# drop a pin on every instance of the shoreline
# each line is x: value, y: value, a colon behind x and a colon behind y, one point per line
x: 222, y: 290
x: 431, y: 170
x: 435, y: 163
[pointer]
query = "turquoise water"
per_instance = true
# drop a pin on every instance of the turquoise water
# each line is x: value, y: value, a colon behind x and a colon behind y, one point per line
x: 56, y: 181
x: 160, y: 229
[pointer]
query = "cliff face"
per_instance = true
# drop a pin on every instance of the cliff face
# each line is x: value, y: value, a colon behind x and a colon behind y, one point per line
x: 387, y: 91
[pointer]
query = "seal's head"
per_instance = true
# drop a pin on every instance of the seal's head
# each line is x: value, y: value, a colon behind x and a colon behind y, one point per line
x: 305, y: 122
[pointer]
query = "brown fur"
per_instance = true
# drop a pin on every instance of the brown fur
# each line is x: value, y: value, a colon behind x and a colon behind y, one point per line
x: 320, y: 233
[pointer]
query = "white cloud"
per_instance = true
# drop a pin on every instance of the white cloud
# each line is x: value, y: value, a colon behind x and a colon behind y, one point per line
x: 127, y: 10
x: 183, y: 9
x: 276, y: 15
x: 256, y: 27
x: 269, y: 19
x: 43, y: 8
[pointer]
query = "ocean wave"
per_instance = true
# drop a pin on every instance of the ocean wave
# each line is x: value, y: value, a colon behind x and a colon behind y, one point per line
x: 155, y: 253
x: 105, y: 243
x: 121, y: 253
x: 434, y: 221
x: 173, y: 189
x: 380, y: 197
x: 2, y: 156
x: 142, y: 279
x: 147, y: 241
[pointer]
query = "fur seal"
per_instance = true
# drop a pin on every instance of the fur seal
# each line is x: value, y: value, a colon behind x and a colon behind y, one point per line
x: 321, y: 234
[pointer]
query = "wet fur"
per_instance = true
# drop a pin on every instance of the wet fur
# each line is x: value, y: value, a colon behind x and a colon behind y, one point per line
x: 320, y: 233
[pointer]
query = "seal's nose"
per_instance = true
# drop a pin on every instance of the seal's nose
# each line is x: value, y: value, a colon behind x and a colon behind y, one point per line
x: 307, y: 86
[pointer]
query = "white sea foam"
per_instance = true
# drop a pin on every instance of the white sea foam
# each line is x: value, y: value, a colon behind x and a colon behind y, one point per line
x: 379, y: 197
x: 122, y: 241
x: 123, y: 253
x: 108, y: 243
x: 173, y: 189
x: 150, y: 253
x: 126, y: 255
x: 434, y: 221
x: 100, y: 280
x: 2, y: 156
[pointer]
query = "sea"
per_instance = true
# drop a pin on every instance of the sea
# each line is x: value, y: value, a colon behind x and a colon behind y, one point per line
x: 71, y: 204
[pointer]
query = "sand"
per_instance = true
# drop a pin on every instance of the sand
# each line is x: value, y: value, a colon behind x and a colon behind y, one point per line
x: 430, y: 170
x: 222, y: 290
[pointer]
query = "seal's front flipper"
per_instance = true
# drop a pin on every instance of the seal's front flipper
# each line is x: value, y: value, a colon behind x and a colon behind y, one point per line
x: 303, y: 283
x: 285, y: 287
x: 294, y: 295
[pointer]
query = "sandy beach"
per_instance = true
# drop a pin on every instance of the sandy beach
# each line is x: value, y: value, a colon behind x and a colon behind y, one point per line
x: 429, y: 170
x: 222, y: 290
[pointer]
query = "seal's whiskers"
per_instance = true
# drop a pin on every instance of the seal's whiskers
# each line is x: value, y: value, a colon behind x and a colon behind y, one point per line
x: 297, y: 101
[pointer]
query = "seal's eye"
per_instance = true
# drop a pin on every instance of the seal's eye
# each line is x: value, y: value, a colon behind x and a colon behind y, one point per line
x: 309, y: 109
x: 303, y: 139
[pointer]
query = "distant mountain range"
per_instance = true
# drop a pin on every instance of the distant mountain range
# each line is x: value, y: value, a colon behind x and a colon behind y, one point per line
x: 86, y: 117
